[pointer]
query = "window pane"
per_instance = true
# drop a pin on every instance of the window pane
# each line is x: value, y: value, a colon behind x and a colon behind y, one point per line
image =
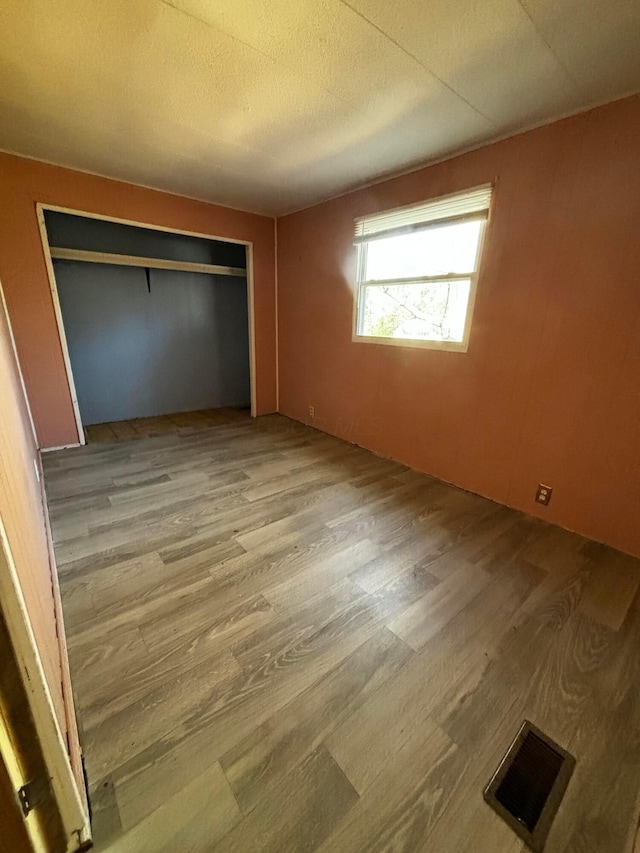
x: 437, y: 251
x: 434, y: 311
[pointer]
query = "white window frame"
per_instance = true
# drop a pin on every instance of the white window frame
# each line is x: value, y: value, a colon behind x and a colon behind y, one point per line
x: 361, y: 284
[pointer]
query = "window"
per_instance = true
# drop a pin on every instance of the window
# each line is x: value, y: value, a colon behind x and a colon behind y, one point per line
x: 417, y: 269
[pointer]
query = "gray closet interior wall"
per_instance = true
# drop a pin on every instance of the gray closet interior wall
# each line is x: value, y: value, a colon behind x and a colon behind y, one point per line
x: 181, y: 345
x: 98, y: 235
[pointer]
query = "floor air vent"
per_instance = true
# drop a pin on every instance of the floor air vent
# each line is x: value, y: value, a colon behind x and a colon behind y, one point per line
x: 529, y: 784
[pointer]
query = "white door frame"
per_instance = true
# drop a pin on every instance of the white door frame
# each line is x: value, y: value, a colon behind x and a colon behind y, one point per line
x: 40, y: 209
x: 75, y: 819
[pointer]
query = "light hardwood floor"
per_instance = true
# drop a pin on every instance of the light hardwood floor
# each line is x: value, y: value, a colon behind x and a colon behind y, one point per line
x: 161, y: 424
x: 280, y: 642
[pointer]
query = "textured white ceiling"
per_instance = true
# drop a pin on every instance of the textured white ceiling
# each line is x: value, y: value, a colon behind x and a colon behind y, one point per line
x: 271, y: 105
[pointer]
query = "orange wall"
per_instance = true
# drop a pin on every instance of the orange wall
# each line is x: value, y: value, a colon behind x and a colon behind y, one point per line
x: 22, y: 514
x: 24, y: 276
x: 549, y: 390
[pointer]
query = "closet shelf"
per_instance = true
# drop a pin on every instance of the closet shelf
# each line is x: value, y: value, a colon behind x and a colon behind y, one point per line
x: 150, y: 263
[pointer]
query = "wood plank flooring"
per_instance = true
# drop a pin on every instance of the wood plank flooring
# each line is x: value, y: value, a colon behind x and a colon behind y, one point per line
x: 280, y: 642
x: 162, y: 424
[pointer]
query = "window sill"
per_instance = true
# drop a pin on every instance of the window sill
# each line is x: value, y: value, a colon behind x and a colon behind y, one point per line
x: 447, y: 346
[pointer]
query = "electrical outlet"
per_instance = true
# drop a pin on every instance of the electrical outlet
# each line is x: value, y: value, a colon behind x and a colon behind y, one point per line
x: 312, y: 411
x: 543, y: 495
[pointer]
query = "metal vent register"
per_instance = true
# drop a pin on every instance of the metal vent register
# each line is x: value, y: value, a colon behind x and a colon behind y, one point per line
x: 528, y: 786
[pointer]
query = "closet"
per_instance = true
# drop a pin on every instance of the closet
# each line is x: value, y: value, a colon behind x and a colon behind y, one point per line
x: 155, y: 322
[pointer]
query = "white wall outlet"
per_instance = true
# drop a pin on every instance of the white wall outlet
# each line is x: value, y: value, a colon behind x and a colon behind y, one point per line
x: 312, y: 411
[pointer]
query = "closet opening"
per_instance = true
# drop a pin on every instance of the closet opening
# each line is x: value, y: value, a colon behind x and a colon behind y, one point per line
x: 156, y: 325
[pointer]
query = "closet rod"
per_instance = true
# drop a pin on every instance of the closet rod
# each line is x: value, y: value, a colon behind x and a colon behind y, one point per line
x: 134, y: 261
